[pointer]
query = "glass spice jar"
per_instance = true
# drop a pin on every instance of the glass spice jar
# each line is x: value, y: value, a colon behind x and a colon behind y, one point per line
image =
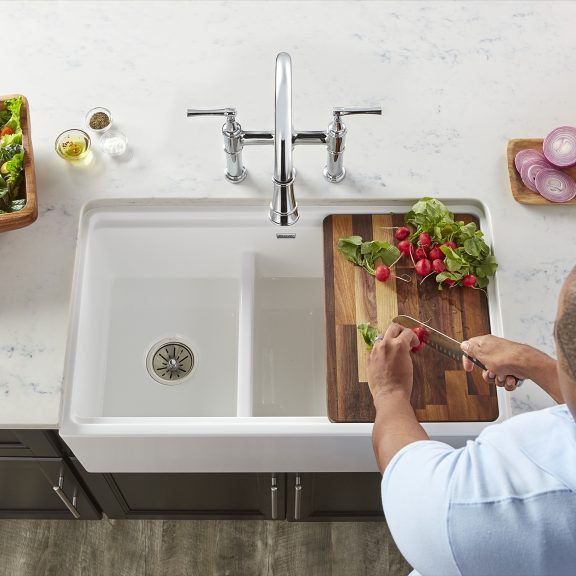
x: 99, y: 119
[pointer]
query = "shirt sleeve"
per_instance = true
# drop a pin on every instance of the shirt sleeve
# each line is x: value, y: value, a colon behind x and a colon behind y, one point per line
x: 415, y: 497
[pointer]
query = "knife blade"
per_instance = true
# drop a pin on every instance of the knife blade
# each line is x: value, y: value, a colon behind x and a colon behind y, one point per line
x: 442, y: 342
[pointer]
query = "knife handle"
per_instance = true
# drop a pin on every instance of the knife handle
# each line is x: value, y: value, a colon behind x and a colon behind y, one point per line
x: 479, y: 364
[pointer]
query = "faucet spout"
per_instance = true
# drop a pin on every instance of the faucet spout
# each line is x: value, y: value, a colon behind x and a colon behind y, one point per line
x: 283, y: 208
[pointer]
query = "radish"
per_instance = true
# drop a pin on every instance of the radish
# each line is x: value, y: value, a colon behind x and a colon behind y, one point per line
x: 405, y: 246
x: 436, y: 254
x: 438, y: 266
x: 451, y: 244
x: 402, y: 233
x: 420, y: 254
x: 469, y: 280
x: 382, y: 273
x: 423, y: 267
x: 422, y: 334
x: 450, y: 282
x: 424, y: 240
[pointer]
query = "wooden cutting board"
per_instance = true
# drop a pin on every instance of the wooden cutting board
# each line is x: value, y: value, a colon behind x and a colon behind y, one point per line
x: 520, y: 191
x: 442, y: 391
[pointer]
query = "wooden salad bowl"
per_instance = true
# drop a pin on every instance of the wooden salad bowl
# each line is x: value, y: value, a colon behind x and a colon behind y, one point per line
x: 29, y: 213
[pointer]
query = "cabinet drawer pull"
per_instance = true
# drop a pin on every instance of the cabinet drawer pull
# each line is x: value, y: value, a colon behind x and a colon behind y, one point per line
x: 66, y: 501
x: 297, y: 498
x: 274, y: 497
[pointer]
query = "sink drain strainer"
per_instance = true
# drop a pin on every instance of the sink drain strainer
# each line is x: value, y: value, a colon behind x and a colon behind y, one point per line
x: 170, y: 362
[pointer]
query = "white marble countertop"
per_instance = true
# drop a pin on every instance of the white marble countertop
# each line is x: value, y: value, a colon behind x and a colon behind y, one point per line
x: 456, y: 81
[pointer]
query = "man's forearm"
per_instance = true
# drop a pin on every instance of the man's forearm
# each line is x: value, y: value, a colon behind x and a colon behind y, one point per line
x: 395, y: 426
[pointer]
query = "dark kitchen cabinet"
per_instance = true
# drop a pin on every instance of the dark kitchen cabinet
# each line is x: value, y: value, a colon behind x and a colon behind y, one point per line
x: 295, y: 497
x: 333, y: 497
x: 36, y: 482
x: 179, y: 496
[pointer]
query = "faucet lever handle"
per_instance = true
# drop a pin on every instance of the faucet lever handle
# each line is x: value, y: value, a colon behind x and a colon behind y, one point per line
x: 350, y: 111
x: 211, y: 112
x: 337, y: 124
x: 229, y: 113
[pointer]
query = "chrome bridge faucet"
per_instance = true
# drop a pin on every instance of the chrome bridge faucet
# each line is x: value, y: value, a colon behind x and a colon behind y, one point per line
x: 284, y: 208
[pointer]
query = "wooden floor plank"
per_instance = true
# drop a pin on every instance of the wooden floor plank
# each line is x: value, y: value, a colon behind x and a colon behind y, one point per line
x: 299, y: 548
x: 22, y: 546
x: 219, y: 548
x: 374, y: 550
x: 193, y: 547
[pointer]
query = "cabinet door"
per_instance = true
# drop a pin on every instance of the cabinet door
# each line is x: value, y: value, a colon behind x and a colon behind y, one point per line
x: 195, y: 496
x: 334, y: 496
x: 27, y: 490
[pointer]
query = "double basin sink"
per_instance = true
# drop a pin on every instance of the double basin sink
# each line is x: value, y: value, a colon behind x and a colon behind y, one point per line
x: 197, y: 341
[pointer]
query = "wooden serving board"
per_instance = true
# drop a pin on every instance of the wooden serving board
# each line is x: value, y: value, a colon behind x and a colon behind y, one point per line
x: 442, y: 391
x: 520, y: 191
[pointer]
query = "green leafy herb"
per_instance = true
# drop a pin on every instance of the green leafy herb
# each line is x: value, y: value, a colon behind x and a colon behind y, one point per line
x: 367, y: 254
x: 369, y: 333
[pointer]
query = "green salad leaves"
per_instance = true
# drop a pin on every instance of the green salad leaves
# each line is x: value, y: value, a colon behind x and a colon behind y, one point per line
x: 471, y: 255
x: 11, y: 156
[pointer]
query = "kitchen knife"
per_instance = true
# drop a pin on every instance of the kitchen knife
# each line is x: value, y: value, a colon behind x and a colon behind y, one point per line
x: 441, y: 342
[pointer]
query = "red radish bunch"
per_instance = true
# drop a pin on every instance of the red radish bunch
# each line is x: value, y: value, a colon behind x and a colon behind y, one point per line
x: 427, y: 256
x: 423, y: 335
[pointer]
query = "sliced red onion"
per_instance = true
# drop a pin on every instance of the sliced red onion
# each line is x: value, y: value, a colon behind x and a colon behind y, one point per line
x: 560, y: 146
x: 525, y: 155
x: 530, y: 171
x: 555, y: 185
x: 533, y: 170
x: 526, y: 165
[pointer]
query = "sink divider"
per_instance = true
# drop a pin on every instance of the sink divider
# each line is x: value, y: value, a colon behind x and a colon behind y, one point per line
x: 246, y: 334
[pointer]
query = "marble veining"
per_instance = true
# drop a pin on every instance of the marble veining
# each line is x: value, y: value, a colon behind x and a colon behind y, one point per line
x: 456, y: 81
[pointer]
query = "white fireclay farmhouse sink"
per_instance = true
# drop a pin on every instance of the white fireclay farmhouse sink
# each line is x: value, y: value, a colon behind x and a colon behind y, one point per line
x: 197, y: 341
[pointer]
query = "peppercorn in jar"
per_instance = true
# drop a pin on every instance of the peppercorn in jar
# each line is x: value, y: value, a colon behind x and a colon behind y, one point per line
x: 99, y: 119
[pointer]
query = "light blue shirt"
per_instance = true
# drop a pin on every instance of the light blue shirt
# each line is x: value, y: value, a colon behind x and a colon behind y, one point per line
x: 504, y: 505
